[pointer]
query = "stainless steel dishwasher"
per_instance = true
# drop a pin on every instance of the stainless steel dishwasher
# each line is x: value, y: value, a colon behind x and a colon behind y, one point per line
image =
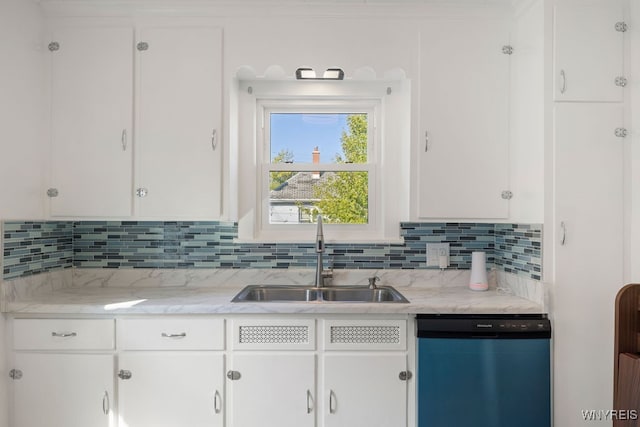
x: 483, y: 370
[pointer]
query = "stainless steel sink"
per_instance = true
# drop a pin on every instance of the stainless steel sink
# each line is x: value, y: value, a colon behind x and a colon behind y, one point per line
x: 362, y: 294
x: 279, y: 293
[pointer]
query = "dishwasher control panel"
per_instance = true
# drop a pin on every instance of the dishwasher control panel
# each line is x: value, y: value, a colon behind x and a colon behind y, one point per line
x: 483, y: 326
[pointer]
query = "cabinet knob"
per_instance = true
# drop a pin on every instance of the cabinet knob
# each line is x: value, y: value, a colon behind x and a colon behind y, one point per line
x: 52, y: 192
x: 621, y: 81
x: 142, y: 192
x: 507, y: 195
x: 142, y: 46
x: 621, y: 27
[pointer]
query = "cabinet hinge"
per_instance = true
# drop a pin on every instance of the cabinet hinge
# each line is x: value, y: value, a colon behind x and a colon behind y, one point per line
x: 233, y: 375
x: 142, y: 46
x: 53, y: 46
x: 507, y: 50
x: 621, y: 132
x: 621, y: 27
x: 405, y: 375
x: 621, y: 81
x: 124, y: 375
x: 15, y: 374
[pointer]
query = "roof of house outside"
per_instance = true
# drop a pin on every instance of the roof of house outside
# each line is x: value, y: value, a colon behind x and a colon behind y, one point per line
x: 299, y: 187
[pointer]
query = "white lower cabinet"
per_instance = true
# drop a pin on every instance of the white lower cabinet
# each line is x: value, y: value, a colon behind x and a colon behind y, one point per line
x: 171, y: 372
x: 272, y: 389
x: 63, y: 373
x: 197, y: 371
x: 63, y: 390
x: 171, y: 389
x: 365, y: 390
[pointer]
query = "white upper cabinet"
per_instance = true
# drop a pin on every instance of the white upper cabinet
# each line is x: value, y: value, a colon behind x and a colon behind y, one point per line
x: 464, y: 101
x: 589, y: 48
x: 91, y: 123
x: 175, y: 147
x: 178, y: 132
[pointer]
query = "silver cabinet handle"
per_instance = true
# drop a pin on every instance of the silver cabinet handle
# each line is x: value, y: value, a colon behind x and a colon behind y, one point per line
x: 309, y: 400
x: 64, y: 334
x: 563, y: 237
x: 123, y: 140
x: 332, y: 409
x: 180, y: 335
x: 426, y: 141
x: 214, y: 140
x: 563, y: 88
x: 106, y: 403
x: 216, y: 402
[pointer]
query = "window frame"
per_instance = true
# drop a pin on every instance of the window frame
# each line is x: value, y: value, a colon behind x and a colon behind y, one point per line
x: 391, y: 148
x: 266, y: 107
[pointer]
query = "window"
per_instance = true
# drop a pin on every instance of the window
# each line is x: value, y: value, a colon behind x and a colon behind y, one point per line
x: 318, y: 158
x: 317, y: 148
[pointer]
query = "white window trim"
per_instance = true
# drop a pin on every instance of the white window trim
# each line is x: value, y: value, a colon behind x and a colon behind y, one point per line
x: 388, y: 166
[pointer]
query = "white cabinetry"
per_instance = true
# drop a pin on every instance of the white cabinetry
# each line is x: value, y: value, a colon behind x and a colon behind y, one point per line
x: 464, y: 100
x: 91, y: 122
x: 63, y: 373
x: 588, y: 40
x: 273, y: 389
x: 171, y: 372
x: 365, y: 373
x: 588, y: 252
x: 273, y: 373
x: 177, y: 137
x: 178, y: 130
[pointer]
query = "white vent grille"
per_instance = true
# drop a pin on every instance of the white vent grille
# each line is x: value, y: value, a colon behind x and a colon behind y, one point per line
x: 274, y: 335
x: 365, y: 335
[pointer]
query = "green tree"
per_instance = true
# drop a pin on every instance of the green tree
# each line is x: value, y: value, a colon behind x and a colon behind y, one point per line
x: 279, y: 178
x: 344, y: 196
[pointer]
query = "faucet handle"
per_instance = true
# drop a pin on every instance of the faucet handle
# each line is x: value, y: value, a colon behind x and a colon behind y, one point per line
x: 372, y: 282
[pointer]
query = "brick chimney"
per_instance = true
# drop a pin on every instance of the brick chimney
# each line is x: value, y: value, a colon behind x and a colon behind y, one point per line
x: 315, y: 155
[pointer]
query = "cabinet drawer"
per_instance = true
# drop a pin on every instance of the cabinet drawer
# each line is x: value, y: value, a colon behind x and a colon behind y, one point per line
x: 171, y: 334
x: 267, y: 334
x: 63, y: 334
x: 365, y: 334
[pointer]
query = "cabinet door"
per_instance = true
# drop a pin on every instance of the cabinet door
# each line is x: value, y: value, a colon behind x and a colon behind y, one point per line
x: 365, y: 390
x: 463, y: 152
x: 170, y: 389
x: 92, y: 95
x: 588, y: 51
x: 179, y: 122
x: 274, y: 389
x: 589, y: 188
x: 63, y: 390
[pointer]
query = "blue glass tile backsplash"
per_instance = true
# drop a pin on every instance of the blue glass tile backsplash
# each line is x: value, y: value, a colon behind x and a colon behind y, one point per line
x: 34, y: 247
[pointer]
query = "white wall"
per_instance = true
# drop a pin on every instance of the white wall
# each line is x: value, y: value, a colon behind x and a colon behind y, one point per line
x: 22, y: 110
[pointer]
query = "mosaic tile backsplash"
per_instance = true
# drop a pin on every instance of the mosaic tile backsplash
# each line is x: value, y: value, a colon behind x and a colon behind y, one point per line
x: 34, y: 247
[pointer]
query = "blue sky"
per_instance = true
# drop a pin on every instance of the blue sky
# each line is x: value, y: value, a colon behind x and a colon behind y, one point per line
x: 301, y: 133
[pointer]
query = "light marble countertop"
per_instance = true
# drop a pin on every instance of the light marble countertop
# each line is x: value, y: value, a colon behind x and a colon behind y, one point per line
x: 148, y: 291
x: 217, y: 300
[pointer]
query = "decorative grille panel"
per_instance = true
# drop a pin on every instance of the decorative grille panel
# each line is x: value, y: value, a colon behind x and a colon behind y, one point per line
x: 274, y: 334
x: 365, y: 334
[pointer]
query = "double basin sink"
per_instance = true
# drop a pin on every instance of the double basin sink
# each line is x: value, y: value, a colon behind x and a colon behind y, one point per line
x: 347, y: 294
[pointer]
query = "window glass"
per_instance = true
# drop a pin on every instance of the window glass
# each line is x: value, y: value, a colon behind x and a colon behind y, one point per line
x: 338, y: 188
